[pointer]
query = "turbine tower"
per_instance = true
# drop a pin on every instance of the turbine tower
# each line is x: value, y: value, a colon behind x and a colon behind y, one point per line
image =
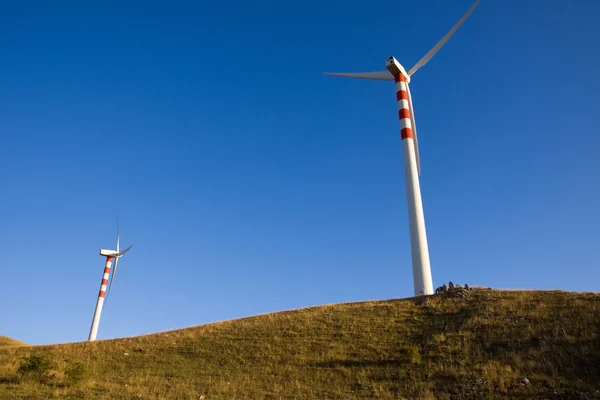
x: 423, y: 284
x: 103, y: 295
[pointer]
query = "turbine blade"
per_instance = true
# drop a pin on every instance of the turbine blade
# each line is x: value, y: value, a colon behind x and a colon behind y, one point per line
x: 114, y: 271
x: 443, y: 41
x: 112, y: 278
x: 117, y: 233
x: 123, y: 252
x: 375, y: 76
x: 414, y: 128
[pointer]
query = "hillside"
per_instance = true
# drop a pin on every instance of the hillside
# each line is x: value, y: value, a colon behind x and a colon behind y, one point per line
x: 6, y: 341
x: 481, y: 346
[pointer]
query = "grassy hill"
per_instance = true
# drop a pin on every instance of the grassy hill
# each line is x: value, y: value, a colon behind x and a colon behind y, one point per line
x: 482, y: 346
x: 6, y: 341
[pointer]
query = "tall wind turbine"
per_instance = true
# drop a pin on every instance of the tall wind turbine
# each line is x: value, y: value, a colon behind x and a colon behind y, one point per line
x: 103, y: 295
x: 423, y: 284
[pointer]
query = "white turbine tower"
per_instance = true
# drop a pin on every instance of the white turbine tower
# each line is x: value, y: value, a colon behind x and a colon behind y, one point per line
x: 103, y: 295
x: 423, y: 284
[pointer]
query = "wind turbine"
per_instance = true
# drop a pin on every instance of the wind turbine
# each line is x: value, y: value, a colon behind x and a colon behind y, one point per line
x: 103, y: 295
x: 423, y: 284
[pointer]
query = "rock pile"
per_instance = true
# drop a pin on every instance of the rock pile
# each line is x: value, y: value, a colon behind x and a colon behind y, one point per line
x: 452, y: 290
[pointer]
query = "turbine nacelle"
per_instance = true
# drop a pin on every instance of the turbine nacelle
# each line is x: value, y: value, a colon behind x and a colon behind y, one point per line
x: 396, y: 68
x: 108, y: 253
x: 114, y: 253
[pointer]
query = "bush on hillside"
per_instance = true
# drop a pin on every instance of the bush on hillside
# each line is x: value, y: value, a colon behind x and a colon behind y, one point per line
x: 35, y: 367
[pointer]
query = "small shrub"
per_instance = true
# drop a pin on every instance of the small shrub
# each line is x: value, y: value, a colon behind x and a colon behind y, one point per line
x: 413, y: 354
x: 74, y: 372
x: 35, y: 367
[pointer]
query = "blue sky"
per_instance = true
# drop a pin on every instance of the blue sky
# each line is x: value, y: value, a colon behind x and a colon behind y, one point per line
x: 250, y: 183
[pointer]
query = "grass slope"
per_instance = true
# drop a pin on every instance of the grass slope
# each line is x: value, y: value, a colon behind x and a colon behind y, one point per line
x: 6, y: 341
x: 479, y: 347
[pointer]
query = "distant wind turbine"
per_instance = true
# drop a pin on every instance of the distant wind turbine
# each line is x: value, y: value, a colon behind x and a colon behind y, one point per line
x: 103, y: 295
x: 423, y: 284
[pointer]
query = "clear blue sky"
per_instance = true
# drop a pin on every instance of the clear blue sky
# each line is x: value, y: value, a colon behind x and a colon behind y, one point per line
x: 251, y: 183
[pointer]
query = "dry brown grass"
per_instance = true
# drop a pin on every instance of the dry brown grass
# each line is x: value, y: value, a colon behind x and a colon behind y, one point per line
x: 6, y: 342
x: 479, y: 347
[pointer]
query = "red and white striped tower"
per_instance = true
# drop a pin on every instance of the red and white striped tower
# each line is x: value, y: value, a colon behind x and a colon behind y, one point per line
x: 423, y: 284
x: 100, y: 302
x: 103, y: 294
